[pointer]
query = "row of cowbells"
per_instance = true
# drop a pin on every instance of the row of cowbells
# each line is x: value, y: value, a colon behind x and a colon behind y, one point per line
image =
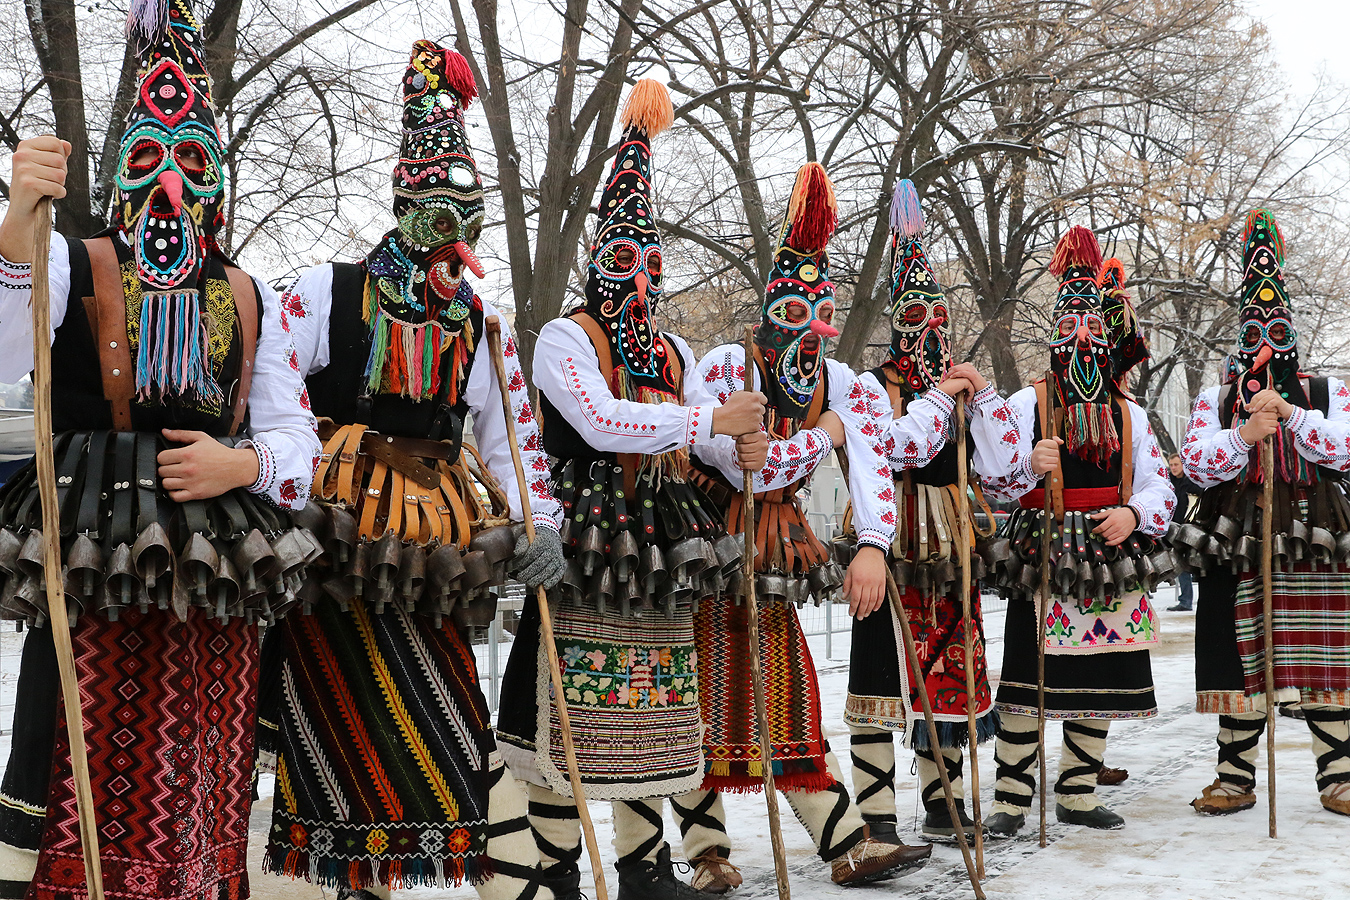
x: 437, y: 582
x: 1227, y: 544
x: 822, y: 584
x: 256, y: 578
x: 620, y: 578
x: 1082, y: 567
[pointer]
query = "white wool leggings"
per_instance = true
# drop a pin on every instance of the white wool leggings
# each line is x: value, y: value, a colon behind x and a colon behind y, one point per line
x: 1079, y: 761
x: 1239, y: 739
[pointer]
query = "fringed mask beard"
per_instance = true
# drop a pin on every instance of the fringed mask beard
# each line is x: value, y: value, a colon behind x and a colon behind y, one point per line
x: 623, y: 281
x: 168, y: 205
x: 921, y: 342
x: 799, y: 298
x: 417, y: 299
x: 1080, y: 351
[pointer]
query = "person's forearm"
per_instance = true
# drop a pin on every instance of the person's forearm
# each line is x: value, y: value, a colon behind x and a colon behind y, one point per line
x: 16, y: 235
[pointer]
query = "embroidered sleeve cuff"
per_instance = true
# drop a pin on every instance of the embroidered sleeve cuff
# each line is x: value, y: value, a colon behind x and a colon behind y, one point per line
x: 267, y: 466
x: 1028, y: 474
x: 1240, y: 445
x: 1138, y: 511
x: 545, y: 521
x: 1297, y: 419
x: 870, y: 537
x: 985, y: 397
x: 698, y: 424
x: 945, y: 403
x: 15, y: 276
x: 826, y: 442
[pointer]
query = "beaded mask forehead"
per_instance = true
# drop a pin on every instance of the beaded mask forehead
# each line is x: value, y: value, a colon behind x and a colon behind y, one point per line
x: 624, y: 278
x: 920, y: 324
x: 799, y: 295
x: 169, y: 179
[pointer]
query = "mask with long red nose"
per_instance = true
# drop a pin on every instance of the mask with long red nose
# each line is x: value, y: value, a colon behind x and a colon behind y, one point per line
x: 921, y: 342
x: 169, y: 186
x: 798, y: 309
x: 1080, y: 350
x: 1267, y: 342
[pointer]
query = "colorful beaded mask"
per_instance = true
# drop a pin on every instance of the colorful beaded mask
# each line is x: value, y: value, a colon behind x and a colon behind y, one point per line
x: 417, y: 300
x: 1080, y: 351
x: 1267, y: 341
x: 623, y: 281
x: 169, y: 179
x: 921, y: 331
x: 799, y: 297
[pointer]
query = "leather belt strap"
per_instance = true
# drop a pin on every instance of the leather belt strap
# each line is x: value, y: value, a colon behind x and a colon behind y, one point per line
x: 109, y: 328
x: 384, y: 448
x: 331, y: 448
x: 394, y: 522
x: 420, y: 448
x: 1048, y: 430
x: 70, y: 452
x: 92, y: 495
x: 234, y: 514
x: 1126, y: 451
x: 124, y: 469
x: 348, y: 483
x: 245, y: 295
x: 371, y: 502
x: 457, y: 519
x: 147, y: 475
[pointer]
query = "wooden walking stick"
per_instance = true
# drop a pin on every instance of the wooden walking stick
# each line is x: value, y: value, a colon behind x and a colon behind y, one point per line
x: 912, y: 657
x: 963, y: 552
x: 1049, y: 426
x: 58, y: 620
x: 756, y: 673
x: 493, y: 326
x: 1267, y: 609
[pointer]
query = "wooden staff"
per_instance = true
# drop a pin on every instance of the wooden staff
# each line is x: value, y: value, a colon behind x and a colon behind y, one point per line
x: 963, y: 552
x: 1267, y: 608
x: 756, y: 673
x: 912, y: 656
x: 493, y: 326
x: 1049, y: 425
x: 40, y: 302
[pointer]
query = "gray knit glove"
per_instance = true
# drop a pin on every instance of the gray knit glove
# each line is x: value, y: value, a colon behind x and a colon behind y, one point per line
x: 540, y: 564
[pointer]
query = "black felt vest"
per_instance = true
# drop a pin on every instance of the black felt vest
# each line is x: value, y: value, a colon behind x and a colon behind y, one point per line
x: 77, y: 384
x: 339, y: 391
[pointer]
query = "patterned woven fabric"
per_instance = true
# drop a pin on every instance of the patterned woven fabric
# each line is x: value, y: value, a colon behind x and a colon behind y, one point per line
x: 939, y: 639
x: 632, y: 688
x: 1311, y: 604
x: 383, y: 753
x: 168, y: 717
x: 791, y: 693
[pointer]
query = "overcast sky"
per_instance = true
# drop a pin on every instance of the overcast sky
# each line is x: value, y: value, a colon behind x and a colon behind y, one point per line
x: 1309, y: 36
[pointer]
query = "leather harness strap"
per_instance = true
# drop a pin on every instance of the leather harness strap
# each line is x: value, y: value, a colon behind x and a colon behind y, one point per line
x: 605, y: 357
x: 109, y: 327
x: 245, y: 294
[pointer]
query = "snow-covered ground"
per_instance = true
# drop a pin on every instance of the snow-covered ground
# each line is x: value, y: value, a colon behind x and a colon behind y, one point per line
x: 1165, y: 849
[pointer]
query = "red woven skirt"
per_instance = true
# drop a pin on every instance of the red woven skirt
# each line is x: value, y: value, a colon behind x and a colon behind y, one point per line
x: 726, y: 700
x: 169, y: 711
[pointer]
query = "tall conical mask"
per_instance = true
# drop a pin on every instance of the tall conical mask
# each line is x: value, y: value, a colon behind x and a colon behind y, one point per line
x: 623, y: 281
x: 1128, y: 348
x: 1267, y: 341
x: 168, y: 204
x: 799, y: 296
x: 921, y: 339
x: 417, y: 299
x: 1080, y: 357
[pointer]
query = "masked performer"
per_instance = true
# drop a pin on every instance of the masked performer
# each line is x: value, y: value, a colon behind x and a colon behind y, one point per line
x: 181, y: 429
x: 915, y: 380
x: 621, y: 407
x: 387, y: 770
x: 1111, y: 501
x: 815, y: 405
x: 1309, y: 421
